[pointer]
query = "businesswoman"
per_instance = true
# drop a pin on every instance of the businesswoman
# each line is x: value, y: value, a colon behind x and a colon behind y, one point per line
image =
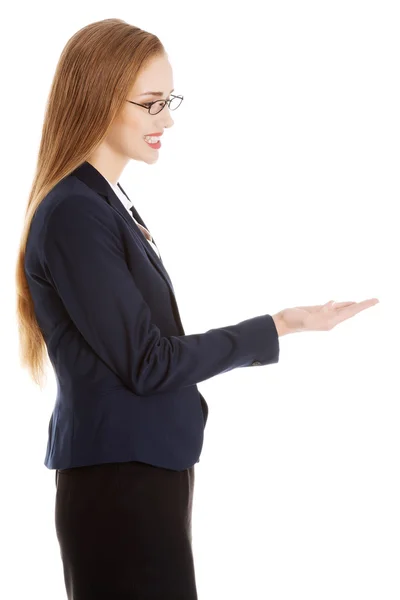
x: 94, y: 295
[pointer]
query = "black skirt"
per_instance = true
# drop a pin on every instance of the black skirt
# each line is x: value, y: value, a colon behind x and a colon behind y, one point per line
x: 125, y: 532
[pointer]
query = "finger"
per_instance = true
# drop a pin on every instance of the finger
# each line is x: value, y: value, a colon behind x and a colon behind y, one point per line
x: 362, y: 305
x: 317, y: 307
x: 347, y: 312
x: 340, y: 304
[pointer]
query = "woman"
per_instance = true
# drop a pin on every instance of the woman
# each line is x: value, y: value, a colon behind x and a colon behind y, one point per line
x: 93, y: 293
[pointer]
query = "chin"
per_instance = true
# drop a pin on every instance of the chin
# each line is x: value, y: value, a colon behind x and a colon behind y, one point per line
x: 150, y: 160
x: 149, y: 157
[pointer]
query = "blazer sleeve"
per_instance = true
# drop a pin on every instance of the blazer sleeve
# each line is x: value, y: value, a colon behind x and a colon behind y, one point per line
x: 83, y: 258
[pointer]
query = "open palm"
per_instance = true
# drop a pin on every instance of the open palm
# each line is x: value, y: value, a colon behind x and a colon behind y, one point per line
x: 322, y: 317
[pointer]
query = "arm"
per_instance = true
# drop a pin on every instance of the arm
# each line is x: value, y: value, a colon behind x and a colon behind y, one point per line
x: 85, y: 262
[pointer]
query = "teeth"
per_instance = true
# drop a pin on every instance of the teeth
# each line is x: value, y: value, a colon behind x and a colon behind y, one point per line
x: 151, y: 139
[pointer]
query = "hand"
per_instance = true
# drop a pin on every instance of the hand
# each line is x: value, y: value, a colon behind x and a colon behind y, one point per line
x: 322, y: 317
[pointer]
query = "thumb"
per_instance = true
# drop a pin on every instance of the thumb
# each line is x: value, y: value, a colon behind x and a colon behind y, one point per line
x: 328, y: 304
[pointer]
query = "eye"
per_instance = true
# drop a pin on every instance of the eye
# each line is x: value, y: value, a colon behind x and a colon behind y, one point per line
x: 147, y: 104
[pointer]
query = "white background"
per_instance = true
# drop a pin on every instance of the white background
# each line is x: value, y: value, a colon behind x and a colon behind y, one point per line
x: 278, y: 186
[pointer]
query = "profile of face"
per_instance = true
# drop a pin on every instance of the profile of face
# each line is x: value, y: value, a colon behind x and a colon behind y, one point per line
x: 125, y: 139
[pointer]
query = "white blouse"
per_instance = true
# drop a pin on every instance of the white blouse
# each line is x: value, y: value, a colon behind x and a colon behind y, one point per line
x: 127, y: 204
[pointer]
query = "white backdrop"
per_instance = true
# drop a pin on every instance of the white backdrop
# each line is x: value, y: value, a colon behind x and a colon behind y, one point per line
x: 278, y: 186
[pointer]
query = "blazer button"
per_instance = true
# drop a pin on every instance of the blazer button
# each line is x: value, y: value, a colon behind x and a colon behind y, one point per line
x: 256, y: 362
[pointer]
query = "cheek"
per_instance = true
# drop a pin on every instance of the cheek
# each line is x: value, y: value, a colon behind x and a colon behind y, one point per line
x: 133, y: 130
x: 126, y: 134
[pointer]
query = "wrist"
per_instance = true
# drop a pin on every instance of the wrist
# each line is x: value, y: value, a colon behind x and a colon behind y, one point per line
x: 280, y: 325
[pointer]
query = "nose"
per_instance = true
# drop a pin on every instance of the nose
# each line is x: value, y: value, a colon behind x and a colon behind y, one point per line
x: 165, y: 114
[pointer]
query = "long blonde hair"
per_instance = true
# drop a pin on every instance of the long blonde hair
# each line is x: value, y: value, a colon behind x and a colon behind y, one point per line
x: 95, y: 72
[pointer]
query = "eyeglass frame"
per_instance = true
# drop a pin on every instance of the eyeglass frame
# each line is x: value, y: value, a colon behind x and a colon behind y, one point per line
x: 155, y: 101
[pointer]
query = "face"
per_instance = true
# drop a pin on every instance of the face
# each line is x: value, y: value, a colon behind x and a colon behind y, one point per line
x: 125, y: 139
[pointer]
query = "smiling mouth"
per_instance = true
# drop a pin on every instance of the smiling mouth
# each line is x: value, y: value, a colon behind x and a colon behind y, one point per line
x: 156, y: 145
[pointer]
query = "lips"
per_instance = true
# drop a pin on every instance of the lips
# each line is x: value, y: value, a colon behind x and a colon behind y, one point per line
x: 157, y: 134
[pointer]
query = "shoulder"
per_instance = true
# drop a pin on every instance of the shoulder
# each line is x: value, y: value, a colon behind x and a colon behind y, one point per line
x: 71, y: 195
x: 73, y: 211
x: 71, y: 200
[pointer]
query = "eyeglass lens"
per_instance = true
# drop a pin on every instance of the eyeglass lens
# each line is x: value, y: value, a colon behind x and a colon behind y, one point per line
x: 157, y: 106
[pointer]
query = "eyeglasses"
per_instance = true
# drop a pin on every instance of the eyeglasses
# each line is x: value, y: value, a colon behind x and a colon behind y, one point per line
x: 157, y: 106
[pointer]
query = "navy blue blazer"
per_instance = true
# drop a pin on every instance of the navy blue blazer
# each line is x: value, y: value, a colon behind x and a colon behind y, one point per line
x: 126, y: 372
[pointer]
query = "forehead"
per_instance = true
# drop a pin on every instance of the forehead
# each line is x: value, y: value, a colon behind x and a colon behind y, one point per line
x: 156, y: 76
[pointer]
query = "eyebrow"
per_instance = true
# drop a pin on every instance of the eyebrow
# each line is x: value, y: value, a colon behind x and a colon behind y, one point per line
x: 154, y: 93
